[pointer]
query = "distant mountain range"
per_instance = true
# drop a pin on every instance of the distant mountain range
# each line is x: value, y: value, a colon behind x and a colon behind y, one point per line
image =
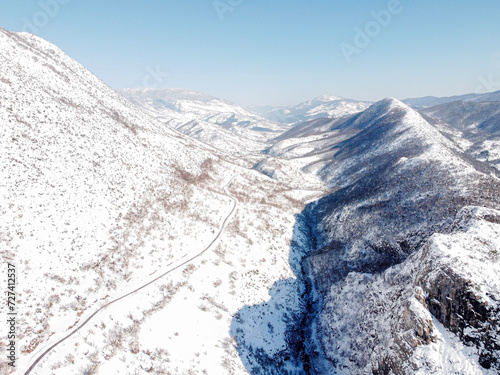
x: 322, y: 106
x: 227, y: 126
x: 473, y: 124
x: 429, y: 101
x: 240, y: 131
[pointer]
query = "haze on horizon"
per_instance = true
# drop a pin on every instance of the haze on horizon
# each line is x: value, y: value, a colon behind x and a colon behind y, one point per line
x: 276, y: 53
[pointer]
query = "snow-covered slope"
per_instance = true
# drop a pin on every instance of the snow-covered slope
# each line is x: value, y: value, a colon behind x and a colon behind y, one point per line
x: 222, y: 124
x: 400, y: 312
x: 325, y: 106
x: 90, y: 189
x: 310, y: 146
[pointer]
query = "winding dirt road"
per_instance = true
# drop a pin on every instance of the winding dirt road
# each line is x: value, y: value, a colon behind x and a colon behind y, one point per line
x: 221, y: 229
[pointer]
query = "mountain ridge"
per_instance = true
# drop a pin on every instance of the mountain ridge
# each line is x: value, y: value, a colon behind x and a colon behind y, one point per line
x: 322, y: 106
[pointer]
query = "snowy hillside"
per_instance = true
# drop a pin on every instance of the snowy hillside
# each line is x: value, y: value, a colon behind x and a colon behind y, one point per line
x: 100, y: 199
x: 450, y: 280
x: 312, y: 144
x: 86, y: 181
x: 308, y: 147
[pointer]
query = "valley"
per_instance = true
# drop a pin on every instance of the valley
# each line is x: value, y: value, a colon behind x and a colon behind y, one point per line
x: 167, y: 231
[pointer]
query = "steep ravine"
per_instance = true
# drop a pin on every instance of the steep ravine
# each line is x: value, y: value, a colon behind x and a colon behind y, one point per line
x: 302, y: 332
x: 291, y: 350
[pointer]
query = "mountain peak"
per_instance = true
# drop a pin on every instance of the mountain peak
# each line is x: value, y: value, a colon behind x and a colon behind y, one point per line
x: 375, y: 112
x: 391, y: 103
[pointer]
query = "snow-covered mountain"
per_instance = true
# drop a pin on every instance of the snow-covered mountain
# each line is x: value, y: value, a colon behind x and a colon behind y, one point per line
x: 396, y: 265
x: 222, y: 124
x: 365, y: 242
x: 91, y: 187
x: 312, y: 144
x: 405, y: 198
x: 231, y: 127
x: 430, y: 101
x: 326, y: 106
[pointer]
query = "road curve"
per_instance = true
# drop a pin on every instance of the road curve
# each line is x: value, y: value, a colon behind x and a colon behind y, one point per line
x: 221, y: 229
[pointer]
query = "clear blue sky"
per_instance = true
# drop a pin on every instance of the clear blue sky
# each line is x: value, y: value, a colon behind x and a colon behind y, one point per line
x: 276, y: 52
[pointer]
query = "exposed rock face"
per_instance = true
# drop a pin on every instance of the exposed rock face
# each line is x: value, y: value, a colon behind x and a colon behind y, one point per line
x: 464, y: 293
x: 453, y: 302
